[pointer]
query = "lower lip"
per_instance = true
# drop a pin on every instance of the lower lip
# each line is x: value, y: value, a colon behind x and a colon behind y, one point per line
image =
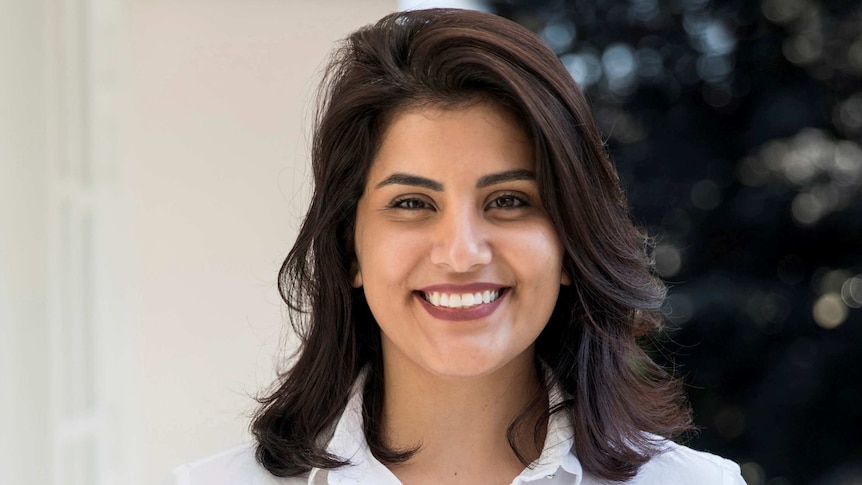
x: 461, y: 314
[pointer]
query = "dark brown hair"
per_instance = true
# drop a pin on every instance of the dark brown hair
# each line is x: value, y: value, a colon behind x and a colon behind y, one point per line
x: 622, y: 402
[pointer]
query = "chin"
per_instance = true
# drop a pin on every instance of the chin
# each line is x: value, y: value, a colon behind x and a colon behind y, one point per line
x: 469, y: 364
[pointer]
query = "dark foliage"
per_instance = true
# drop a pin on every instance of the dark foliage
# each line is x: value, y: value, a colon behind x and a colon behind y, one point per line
x: 736, y: 126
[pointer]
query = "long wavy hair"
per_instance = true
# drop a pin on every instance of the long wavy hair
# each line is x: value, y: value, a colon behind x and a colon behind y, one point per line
x: 621, y: 401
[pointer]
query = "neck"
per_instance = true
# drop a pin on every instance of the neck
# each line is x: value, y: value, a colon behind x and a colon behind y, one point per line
x: 460, y: 423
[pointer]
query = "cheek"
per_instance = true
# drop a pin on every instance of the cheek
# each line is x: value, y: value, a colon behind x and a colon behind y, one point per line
x: 539, y: 251
x: 386, y: 255
x: 539, y: 269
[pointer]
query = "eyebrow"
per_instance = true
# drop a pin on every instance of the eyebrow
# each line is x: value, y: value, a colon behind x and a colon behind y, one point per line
x: 407, y: 179
x: 507, y: 176
x: 485, y: 181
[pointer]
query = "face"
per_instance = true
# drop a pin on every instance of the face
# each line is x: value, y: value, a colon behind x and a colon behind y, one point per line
x: 459, y: 262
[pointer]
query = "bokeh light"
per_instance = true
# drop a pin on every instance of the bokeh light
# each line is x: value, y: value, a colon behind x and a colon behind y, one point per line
x: 753, y: 473
x: 851, y: 292
x: 826, y: 173
x: 559, y: 34
x: 736, y: 127
x: 668, y: 260
x: 830, y: 311
x: 585, y: 67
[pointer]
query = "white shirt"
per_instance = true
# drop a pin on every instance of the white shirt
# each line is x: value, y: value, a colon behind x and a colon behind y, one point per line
x: 557, y: 465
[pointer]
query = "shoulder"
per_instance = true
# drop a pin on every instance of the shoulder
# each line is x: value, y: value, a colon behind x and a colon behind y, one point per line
x: 234, y: 466
x: 679, y: 464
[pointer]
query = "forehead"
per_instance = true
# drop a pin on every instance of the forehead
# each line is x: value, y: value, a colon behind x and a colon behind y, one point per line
x: 481, y: 136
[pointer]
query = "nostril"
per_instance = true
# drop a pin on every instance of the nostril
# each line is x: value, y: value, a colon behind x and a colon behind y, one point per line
x: 460, y: 253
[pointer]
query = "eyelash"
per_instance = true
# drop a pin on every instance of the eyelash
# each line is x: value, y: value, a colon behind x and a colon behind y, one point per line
x: 520, y: 201
x: 397, y: 203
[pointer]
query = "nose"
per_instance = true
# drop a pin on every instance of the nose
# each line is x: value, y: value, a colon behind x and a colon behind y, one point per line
x: 460, y: 242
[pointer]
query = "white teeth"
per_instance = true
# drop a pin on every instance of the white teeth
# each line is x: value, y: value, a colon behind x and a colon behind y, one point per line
x: 465, y: 300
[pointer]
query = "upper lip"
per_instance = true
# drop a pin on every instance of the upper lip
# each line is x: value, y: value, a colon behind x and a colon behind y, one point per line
x: 468, y: 288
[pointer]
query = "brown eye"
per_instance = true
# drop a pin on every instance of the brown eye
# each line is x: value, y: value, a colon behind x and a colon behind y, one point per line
x: 508, y: 202
x: 410, y: 204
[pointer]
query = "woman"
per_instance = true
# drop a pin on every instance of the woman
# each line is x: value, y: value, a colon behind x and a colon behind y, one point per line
x: 467, y: 284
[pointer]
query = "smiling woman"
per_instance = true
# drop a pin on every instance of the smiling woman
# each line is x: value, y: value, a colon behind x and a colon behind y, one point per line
x: 467, y: 284
x: 451, y: 211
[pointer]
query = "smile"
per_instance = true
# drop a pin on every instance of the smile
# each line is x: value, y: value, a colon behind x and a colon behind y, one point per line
x: 460, y: 300
x: 461, y: 303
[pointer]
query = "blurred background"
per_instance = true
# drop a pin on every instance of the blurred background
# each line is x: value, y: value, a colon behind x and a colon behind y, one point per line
x: 736, y: 127
x: 153, y: 170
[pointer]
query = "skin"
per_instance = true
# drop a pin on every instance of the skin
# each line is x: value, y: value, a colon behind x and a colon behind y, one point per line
x: 455, y: 385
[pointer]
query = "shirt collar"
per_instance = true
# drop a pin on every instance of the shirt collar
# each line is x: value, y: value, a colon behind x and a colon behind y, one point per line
x: 348, y: 444
x: 558, y: 452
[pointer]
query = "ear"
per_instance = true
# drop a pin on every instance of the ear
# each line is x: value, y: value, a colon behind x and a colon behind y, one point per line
x: 356, y: 279
x: 565, y: 280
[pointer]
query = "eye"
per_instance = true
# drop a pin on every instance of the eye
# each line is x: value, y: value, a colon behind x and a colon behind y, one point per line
x: 509, y: 201
x: 409, y: 203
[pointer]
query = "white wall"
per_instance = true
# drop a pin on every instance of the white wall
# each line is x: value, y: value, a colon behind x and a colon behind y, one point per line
x: 192, y: 118
x: 216, y: 172
x: 23, y: 245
